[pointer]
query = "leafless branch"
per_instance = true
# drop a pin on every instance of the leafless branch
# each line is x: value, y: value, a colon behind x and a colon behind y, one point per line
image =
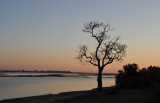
x: 83, y: 53
x: 107, y: 49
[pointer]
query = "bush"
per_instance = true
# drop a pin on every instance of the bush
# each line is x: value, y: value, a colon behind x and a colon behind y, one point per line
x: 127, y: 78
x: 131, y: 77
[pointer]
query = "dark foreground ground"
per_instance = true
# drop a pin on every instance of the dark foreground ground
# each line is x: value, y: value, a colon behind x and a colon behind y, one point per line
x: 109, y: 95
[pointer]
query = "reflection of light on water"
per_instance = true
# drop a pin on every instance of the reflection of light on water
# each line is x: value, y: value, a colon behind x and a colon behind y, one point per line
x: 13, y: 87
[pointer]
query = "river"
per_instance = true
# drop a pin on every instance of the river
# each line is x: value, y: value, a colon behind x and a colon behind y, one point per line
x: 15, y: 87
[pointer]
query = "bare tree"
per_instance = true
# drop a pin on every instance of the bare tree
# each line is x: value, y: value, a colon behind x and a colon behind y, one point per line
x: 107, y: 50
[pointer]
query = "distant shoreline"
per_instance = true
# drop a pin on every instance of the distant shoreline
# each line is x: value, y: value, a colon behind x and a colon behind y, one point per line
x: 51, y: 75
x: 16, y: 73
x: 36, y: 71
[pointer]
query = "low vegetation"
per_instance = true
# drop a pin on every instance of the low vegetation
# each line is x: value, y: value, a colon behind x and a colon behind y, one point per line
x: 132, y: 77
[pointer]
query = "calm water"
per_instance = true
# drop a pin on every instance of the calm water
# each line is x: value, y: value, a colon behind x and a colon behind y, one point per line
x: 13, y: 87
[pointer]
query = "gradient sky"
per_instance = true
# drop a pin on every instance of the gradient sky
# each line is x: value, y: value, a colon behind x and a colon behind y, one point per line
x: 45, y: 34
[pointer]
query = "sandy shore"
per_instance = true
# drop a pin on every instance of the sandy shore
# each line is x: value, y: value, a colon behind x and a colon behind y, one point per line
x: 109, y: 95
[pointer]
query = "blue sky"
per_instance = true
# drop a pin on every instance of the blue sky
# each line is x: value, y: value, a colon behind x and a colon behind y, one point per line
x: 45, y: 34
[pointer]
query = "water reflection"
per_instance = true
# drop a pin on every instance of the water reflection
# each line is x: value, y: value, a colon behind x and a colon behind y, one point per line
x: 13, y: 87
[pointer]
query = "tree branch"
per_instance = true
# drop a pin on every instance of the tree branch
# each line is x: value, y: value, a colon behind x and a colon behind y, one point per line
x: 105, y: 53
x: 83, y: 53
x: 90, y: 61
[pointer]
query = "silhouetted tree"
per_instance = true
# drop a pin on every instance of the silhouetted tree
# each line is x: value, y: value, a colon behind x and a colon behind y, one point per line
x: 107, y: 50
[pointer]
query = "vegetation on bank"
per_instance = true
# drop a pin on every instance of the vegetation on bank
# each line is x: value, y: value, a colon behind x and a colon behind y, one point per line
x: 132, y: 77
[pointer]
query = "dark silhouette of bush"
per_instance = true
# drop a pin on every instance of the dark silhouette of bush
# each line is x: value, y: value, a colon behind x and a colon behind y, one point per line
x: 131, y: 77
x: 128, y: 77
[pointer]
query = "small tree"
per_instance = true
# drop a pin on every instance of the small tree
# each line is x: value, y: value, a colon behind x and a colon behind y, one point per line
x: 106, y: 51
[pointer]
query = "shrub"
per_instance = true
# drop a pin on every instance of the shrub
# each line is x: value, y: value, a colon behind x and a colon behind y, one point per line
x: 131, y: 77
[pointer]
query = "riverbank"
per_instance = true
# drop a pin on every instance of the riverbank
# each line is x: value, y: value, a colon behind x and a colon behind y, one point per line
x: 109, y: 95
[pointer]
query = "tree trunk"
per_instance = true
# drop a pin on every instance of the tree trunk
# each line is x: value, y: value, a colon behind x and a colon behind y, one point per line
x: 99, y: 79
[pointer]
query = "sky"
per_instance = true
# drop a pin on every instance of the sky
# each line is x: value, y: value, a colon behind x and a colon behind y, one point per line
x: 45, y: 34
